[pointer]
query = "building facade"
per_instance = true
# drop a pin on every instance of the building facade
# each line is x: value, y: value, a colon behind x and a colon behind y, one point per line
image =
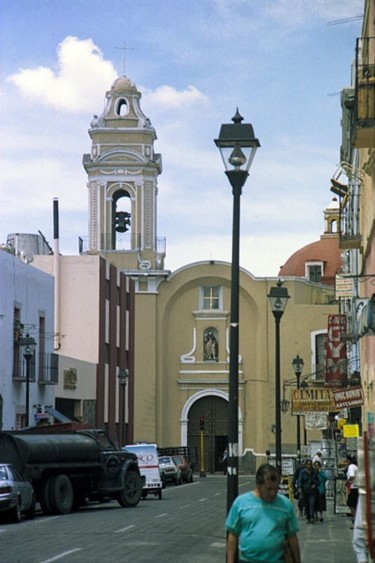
x: 181, y: 341
x: 26, y: 311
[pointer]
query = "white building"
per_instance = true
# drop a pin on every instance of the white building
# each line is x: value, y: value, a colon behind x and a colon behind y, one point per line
x: 26, y: 308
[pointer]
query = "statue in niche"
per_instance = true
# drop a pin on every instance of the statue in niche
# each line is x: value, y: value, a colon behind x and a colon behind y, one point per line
x: 211, y: 350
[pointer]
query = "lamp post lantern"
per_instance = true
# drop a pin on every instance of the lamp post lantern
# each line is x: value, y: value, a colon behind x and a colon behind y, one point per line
x: 237, y: 145
x: 298, y: 364
x: 278, y: 298
x: 123, y: 376
x: 29, y: 343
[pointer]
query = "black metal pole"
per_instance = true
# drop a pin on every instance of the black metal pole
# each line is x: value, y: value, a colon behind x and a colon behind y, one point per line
x: 124, y: 414
x: 298, y: 375
x: 237, y: 179
x: 28, y: 359
x: 278, y: 316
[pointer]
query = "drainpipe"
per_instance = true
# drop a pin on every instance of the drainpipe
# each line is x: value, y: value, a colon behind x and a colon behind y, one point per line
x: 56, y: 272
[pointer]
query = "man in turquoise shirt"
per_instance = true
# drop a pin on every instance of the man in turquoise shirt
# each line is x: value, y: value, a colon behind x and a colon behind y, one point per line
x: 261, y: 521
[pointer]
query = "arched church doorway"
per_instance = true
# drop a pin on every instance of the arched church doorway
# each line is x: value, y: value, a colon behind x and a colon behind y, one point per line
x: 215, y: 412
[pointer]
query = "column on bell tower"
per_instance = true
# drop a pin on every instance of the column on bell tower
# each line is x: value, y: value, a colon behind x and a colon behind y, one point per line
x: 123, y: 171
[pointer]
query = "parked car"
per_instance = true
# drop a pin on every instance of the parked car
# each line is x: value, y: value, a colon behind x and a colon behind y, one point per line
x: 16, y: 494
x: 169, y: 471
x: 185, y: 467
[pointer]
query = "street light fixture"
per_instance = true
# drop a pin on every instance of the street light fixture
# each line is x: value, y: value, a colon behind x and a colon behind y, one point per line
x: 298, y: 364
x: 237, y: 145
x: 278, y: 298
x: 123, y: 376
x: 29, y: 343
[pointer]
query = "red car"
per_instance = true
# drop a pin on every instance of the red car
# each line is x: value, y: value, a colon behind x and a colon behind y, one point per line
x: 185, y: 467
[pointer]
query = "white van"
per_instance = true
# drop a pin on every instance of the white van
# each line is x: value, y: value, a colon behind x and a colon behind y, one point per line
x: 148, y: 463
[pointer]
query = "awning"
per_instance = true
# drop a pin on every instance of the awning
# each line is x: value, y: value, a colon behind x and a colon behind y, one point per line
x: 56, y: 414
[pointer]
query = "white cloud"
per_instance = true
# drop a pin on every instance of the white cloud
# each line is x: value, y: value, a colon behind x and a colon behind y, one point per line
x: 169, y: 97
x: 69, y: 89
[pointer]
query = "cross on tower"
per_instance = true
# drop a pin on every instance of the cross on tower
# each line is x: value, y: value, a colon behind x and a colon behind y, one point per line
x: 124, y: 48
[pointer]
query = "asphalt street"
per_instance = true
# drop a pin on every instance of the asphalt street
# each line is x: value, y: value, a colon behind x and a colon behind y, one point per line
x: 186, y: 526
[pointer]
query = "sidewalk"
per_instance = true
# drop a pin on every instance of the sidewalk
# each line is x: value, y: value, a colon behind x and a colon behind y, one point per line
x: 329, y: 541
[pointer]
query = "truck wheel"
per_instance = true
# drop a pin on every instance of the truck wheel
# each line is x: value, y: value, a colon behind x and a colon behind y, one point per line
x: 159, y: 494
x: 45, y: 497
x: 15, y: 514
x: 61, y: 494
x: 132, y: 492
x: 113, y: 466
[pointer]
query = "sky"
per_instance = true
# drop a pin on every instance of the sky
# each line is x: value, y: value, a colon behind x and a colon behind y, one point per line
x: 283, y: 63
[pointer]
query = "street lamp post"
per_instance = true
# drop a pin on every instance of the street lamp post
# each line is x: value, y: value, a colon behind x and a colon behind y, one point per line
x: 123, y: 376
x: 237, y: 145
x: 278, y: 298
x: 29, y: 343
x: 298, y: 364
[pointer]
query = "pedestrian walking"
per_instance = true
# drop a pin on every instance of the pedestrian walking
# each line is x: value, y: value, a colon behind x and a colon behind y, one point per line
x: 224, y: 461
x: 308, y: 483
x: 297, y: 494
x: 318, y: 457
x: 262, y: 522
x: 321, y: 500
x: 352, y: 484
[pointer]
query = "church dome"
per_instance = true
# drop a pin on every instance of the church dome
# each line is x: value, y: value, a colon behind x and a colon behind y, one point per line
x: 123, y: 83
x: 319, y: 261
x: 324, y: 252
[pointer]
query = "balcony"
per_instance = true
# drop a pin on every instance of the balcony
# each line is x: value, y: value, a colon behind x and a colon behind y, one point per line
x: 47, y: 369
x: 364, y: 129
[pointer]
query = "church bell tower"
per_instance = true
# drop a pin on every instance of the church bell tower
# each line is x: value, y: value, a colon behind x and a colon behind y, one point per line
x: 122, y: 171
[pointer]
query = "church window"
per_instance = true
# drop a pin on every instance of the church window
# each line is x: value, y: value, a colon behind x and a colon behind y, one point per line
x: 122, y: 107
x: 314, y: 271
x: 318, y: 340
x: 211, y: 297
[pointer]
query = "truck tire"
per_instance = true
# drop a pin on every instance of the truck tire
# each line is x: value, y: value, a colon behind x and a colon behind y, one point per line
x: 61, y: 494
x: 113, y: 466
x: 132, y: 492
x: 45, y: 498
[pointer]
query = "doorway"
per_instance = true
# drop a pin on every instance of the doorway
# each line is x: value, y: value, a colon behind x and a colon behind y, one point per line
x: 215, y: 434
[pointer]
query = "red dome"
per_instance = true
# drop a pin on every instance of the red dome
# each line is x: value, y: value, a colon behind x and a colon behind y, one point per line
x: 325, y: 251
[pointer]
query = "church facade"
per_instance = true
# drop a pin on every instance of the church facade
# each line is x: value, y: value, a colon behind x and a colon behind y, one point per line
x: 182, y: 318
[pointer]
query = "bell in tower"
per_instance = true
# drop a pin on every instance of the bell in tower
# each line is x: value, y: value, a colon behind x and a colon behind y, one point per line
x: 123, y: 171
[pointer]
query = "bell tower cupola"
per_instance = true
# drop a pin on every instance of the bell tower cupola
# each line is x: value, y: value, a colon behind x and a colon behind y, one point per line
x: 123, y: 171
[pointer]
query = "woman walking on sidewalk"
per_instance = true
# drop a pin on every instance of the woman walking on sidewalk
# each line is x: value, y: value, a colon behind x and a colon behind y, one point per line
x: 321, y: 501
x: 308, y: 484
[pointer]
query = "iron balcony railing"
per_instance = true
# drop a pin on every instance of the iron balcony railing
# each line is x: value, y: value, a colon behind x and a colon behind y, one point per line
x: 46, y: 368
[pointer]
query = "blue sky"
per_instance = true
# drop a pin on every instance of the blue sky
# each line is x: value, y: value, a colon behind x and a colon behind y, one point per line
x: 282, y: 62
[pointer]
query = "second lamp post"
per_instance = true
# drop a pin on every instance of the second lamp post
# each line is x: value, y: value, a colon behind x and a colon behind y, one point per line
x: 237, y: 145
x: 278, y: 298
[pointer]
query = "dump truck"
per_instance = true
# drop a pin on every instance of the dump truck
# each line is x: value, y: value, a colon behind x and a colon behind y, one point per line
x: 68, y: 469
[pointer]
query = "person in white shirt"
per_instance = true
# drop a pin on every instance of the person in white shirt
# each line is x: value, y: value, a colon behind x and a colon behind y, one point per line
x: 352, y: 483
x: 318, y: 457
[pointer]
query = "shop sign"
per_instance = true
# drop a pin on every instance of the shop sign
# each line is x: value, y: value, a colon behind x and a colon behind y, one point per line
x: 316, y: 421
x: 351, y: 431
x: 347, y: 398
x: 313, y: 400
x: 335, y: 352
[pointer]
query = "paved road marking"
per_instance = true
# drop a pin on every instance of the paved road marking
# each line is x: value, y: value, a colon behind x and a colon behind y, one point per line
x: 125, y: 529
x: 161, y: 515
x: 61, y: 555
x: 203, y: 499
